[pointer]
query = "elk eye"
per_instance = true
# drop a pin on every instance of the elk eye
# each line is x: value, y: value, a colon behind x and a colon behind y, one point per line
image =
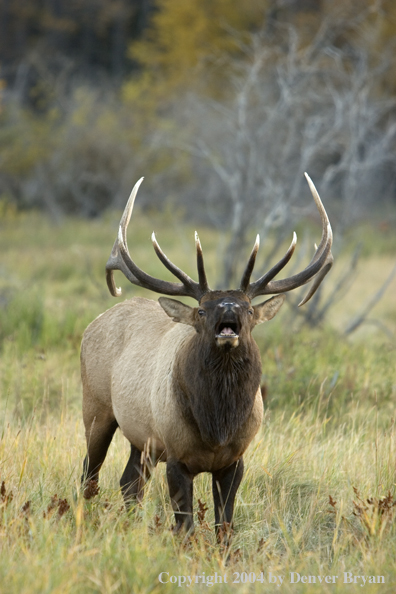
x: 250, y: 312
x: 201, y: 312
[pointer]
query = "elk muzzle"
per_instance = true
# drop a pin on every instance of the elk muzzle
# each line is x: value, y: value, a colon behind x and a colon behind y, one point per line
x: 228, y: 327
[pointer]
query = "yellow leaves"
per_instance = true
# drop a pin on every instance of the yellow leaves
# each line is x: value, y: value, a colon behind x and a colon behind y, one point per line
x: 100, y: 118
x: 188, y: 39
x: 84, y: 101
x: 25, y: 142
x: 142, y: 94
x: 8, y: 210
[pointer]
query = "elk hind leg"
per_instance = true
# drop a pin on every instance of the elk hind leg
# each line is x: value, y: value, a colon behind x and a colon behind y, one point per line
x: 99, y: 431
x: 136, y: 474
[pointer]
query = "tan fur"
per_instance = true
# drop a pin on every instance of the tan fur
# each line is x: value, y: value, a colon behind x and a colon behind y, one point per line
x: 131, y: 358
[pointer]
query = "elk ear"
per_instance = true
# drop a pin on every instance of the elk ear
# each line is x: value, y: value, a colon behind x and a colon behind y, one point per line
x: 178, y: 311
x: 267, y: 310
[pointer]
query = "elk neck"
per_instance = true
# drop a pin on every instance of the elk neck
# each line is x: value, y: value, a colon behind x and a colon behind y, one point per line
x: 220, y: 386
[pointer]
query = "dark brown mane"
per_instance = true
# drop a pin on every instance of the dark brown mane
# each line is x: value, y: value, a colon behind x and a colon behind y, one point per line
x: 222, y: 389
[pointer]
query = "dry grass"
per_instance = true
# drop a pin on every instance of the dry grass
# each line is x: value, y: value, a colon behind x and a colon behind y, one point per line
x: 52, y: 540
x: 318, y: 496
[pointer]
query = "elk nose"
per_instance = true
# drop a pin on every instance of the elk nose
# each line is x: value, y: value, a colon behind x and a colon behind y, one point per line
x: 229, y: 306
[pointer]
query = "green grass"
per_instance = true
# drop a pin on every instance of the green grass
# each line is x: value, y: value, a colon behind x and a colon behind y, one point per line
x: 283, y: 518
x: 328, y: 428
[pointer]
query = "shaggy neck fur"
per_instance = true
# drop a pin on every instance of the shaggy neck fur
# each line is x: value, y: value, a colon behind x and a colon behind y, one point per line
x: 221, y: 388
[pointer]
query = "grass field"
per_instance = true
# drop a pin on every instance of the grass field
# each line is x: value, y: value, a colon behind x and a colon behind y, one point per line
x: 318, y: 497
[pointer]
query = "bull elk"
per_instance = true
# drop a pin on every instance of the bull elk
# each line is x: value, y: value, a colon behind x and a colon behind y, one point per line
x: 182, y: 383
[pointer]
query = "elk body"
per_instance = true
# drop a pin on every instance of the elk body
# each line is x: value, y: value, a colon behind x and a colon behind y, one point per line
x: 182, y: 383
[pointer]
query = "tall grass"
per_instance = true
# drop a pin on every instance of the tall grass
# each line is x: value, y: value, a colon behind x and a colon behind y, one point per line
x: 319, y: 487
x: 284, y: 521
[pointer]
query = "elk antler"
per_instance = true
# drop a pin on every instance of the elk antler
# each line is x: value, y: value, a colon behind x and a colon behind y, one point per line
x: 120, y: 259
x: 319, y: 266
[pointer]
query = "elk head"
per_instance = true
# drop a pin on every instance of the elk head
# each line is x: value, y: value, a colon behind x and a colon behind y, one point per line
x: 226, y: 317
x: 223, y: 317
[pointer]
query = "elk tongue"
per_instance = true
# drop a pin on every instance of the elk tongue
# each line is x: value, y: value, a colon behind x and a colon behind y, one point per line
x: 227, y: 332
x: 227, y: 338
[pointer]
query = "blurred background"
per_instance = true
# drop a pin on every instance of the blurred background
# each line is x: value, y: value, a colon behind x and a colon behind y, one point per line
x: 222, y: 105
x: 219, y: 103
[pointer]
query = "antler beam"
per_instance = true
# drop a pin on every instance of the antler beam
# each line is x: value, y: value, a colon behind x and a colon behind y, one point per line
x: 319, y: 266
x: 120, y: 259
x: 317, y: 269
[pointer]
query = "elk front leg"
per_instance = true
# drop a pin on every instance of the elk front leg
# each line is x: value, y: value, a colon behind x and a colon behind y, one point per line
x: 180, y: 483
x: 225, y: 483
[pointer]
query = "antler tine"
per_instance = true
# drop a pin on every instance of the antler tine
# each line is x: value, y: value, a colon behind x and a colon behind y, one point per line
x: 203, y: 283
x: 120, y: 259
x: 320, y: 264
x: 126, y: 215
x: 115, y: 262
x: 185, y: 279
x: 250, y: 265
x: 255, y: 288
x: 318, y: 279
x: 323, y: 216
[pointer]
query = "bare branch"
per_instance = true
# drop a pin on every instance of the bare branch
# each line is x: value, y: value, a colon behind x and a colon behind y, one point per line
x: 360, y: 318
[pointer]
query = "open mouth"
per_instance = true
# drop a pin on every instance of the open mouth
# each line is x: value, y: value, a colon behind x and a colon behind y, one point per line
x: 227, y: 330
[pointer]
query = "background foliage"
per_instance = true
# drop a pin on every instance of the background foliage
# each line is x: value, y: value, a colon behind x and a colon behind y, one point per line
x: 91, y: 91
x: 222, y: 105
